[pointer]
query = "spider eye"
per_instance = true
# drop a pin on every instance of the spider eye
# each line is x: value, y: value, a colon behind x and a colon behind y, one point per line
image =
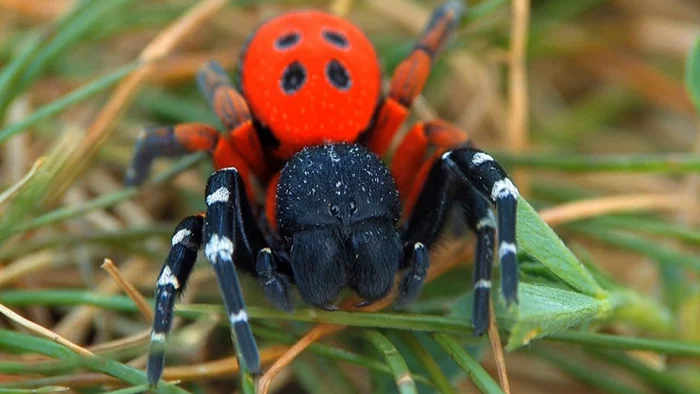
x: 338, y: 75
x: 353, y: 207
x: 293, y: 78
x: 334, y: 210
x: 287, y: 41
x: 336, y: 39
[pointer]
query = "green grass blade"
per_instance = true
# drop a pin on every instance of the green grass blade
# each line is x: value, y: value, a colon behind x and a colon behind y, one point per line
x: 663, y: 163
x: 109, y: 237
x: 661, y: 346
x: 545, y: 310
x: 404, y: 380
x: 70, y: 34
x: 692, y: 74
x: 21, y: 342
x: 428, y: 362
x: 484, y: 8
x: 12, y: 72
x: 634, y: 243
x: 649, y: 226
x: 23, y: 204
x: 473, y: 369
x: 68, y: 100
x: 40, y: 390
x: 538, y: 240
x: 131, y: 390
x: 103, y: 201
x: 313, y: 380
x: 247, y: 383
x: 335, y: 353
x: 176, y: 109
x: 403, y: 321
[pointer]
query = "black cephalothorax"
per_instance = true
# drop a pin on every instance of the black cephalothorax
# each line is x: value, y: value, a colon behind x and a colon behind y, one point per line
x: 337, y: 208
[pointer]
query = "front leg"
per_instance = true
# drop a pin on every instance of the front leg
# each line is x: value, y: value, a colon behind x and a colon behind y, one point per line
x: 171, y: 282
x: 417, y: 261
x: 275, y: 284
x: 232, y: 240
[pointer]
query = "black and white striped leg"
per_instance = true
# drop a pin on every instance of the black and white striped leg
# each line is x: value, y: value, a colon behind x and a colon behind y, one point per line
x: 481, y: 219
x: 413, y: 280
x: 171, y: 282
x: 481, y: 171
x: 424, y: 227
x: 276, y: 285
x: 226, y: 238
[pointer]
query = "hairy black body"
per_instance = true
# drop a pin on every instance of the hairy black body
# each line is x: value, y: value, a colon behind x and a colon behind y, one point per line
x: 337, y: 208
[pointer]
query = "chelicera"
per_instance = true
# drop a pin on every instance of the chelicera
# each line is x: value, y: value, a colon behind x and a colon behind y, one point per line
x: 308, y: 120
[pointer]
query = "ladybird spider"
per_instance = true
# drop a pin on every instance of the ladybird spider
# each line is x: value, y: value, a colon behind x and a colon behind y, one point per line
x: 309, y: 122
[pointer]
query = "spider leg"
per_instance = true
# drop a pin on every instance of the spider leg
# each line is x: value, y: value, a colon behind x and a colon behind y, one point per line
x: 233, y: 111
x: 224, y: 100
x: 239, y: 147
x: 232, y: 239
x: 409, y: 167
x: 482, y: 221
x: 168, y: 141
x: 429, y: 197
x: 276, y: 285
x: 186, y: 240
x: 481, y: 171
x: 412, y: 282
x: 410, y: 76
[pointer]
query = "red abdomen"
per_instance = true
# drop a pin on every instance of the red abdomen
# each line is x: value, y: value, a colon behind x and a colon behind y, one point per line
x: 310, y: 78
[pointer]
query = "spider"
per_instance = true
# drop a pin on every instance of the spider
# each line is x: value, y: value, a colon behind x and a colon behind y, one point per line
x: 308, y: 121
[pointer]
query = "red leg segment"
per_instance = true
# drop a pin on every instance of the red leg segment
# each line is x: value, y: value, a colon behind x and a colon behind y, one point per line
x: 410, y: 76
x: 411, y: 164
x: 239, y: 147
x: 232, y: 109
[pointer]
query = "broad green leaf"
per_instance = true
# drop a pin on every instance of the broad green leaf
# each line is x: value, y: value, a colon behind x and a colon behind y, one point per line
x: 538, y: 240
x: 545, y: 310
x: 692, y: 74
